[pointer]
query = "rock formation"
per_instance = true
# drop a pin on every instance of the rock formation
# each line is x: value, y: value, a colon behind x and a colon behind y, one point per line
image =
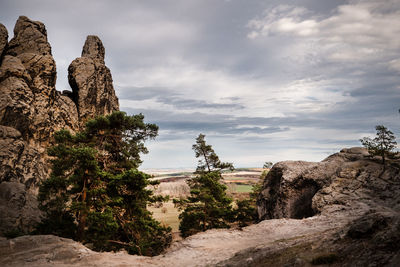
x: 3, y: 39
x: 91, y: 81
x: 346, y: 181
x: 349, y: 184
x: 30, y: 102
x: 22, y: 167
x: 31, y: 110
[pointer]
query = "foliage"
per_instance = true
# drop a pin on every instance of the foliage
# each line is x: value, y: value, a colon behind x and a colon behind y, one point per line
x: 382, y: 145
x: 267, y: 165
x: 13, y: 233
x: 208, y: 159
x: 208, y: 205
x: 246, y: 211
x: 95, y: 193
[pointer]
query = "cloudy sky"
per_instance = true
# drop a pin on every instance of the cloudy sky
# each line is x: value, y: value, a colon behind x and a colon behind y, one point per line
x: 264, y: 80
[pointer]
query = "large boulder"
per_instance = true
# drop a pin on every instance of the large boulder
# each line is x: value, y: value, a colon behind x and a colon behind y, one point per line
x: 91, y: 82
x: 346, y: 181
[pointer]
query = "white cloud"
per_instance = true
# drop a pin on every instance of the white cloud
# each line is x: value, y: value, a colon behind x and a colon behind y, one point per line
x: 283, y: 19
x: 395, y: 65
x: 259, y: 97
x: 361, y: 30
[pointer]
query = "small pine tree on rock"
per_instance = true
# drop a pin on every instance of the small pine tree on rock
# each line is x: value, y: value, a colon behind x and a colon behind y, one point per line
x: 382, y: 145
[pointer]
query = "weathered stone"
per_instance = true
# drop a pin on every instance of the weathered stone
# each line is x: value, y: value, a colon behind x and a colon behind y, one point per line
x: 91, y: 82
x: 29, y: 101
x: 42, y: 69
x: 16, y: 98
x: 302, y: 189
x: 29, y: 37
x: 94, y: 49
x: 349, y: 184
x: 18, y: 208
x: 367, y: 225
x: 3, y: 40
x: 20, y: 162
x: 22, y: 168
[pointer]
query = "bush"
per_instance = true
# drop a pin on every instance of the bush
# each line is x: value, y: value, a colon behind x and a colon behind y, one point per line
x: 13, y: 233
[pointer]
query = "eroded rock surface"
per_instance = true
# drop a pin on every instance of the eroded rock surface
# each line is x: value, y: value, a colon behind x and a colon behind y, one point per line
x: 349, y: 180
x: 29, y: 37
x: 29, y: 100
x: 204, y: 249
x: 3, y: 39
x: 22, y: 168
x: 346, y: 184
x: 32, y: 110
x: 91, y: 81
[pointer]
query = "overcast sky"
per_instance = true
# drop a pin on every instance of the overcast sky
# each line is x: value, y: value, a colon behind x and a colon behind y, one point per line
x: 263, y: 80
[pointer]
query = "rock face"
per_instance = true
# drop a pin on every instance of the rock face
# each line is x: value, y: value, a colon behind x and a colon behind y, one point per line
x: 29, y: 101
x: 3, y: 39
x: 22, y: 167
x: 31, y: 110
x: 91, y: 81
x: 29, y: 37
x: 349, y: 180
x: 347, y: 184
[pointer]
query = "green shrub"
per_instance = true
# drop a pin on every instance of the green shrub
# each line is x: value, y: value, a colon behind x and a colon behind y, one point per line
x: 13, y: 233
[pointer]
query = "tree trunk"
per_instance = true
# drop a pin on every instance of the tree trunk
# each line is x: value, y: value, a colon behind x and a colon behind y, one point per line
x: 205, y: 158
x: 82, y: 214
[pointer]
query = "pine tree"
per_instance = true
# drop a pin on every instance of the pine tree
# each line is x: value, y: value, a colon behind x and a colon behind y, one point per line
x: 382, y: 145
x: 208, y: 159
x: 208, y: 205
x: 246, y: 211
x: 95, y: 193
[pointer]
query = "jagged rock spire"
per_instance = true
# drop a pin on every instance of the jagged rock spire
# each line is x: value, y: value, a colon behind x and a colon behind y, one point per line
x: 29, y: 37
x: 93, y: 48
x: 91, y: 82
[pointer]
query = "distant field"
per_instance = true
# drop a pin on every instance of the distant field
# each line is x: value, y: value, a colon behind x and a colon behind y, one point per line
x: 169, y: 218
x: 173, y: 183
x: 243, y: 188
